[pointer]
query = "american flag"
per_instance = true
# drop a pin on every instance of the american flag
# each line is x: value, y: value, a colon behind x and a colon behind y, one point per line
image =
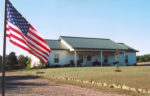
x: 21, y: 33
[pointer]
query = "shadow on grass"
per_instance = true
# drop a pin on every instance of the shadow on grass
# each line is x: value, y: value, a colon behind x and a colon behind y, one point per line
x: 144, y: 65
x: 17, y: 82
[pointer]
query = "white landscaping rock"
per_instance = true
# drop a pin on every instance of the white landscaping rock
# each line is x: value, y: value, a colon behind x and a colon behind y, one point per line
x: 125, y: 87
x: 133, y: 89
x: 105, y: 84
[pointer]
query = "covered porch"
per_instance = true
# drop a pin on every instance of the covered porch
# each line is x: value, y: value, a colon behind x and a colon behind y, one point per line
x: 85, y: 57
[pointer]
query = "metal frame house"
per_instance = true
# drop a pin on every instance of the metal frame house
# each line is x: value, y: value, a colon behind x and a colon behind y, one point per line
x: 82, y: 51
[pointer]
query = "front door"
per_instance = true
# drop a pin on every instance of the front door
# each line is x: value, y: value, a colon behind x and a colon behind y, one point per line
x: 81, y: 60
x: 89, y: 60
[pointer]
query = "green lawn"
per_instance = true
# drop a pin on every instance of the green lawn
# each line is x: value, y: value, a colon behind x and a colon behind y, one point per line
x: 135, y: 76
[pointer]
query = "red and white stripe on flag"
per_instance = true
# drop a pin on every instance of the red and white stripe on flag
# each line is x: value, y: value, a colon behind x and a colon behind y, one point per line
x: 32, y: 42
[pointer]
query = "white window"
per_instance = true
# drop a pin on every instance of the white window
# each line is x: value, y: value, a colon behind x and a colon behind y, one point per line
x: 56, y: 58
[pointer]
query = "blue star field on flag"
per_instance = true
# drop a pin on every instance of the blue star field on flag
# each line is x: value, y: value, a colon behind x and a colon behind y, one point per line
x: 14, y: 17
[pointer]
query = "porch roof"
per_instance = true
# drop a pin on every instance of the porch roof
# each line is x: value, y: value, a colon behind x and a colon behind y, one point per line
x: 128, y: 47
x: 93, y: 43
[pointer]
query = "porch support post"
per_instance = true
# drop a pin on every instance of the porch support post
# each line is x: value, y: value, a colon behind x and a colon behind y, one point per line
x: 101, y: 58
x: 75, y: 58
x: 124, y: 53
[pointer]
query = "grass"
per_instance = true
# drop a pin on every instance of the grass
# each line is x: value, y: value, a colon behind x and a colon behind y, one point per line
x: 135, y: 76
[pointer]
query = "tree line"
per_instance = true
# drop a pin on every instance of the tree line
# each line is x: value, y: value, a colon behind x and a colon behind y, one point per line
x: 143, y: 58
x: 0, y: 63
x: 13, y: 62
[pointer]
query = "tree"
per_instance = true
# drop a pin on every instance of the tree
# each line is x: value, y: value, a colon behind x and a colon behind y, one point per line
x: 29, y: 63
x: 143, y: 58
x: 22, y: 60
x: 11, y: 61
x: 42, y: 65
x: 0, y: 63
x: 117, y: 54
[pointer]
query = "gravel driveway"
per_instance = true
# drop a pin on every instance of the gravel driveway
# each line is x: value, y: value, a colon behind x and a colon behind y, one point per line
x: 23, y: 85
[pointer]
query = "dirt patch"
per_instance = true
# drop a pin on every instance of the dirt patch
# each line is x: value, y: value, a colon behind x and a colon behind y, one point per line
x: 23, y: 85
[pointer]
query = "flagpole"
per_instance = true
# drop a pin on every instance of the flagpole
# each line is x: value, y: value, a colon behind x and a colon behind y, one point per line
x: 4, y: 50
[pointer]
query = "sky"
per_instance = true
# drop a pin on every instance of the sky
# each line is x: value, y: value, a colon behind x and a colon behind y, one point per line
x: 125, y: 21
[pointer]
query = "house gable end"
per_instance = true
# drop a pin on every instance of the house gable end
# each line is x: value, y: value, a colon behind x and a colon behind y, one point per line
x: 66, y: 44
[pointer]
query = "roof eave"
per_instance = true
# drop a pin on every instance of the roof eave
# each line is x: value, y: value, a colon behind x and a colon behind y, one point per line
x: 58, y: 49
x: 98, y: 48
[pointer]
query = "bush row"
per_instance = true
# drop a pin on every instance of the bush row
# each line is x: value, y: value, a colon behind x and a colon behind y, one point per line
x: 143, y: 58
x: 13, y: 62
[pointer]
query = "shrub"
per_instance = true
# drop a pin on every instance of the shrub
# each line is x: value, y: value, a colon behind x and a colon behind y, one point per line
x: 42, y: 65
x: 96, y: 63
x: 66, y: 65
x: 11, y: 61
x: 79, y: 63
x: 29, y: 63
x: 143, y: 58
x: 47, y: 64
x: 0, y: 63
x: 135, y: 64
x: 22, y: 62
x: 72, y: 63
x: 55, y: 66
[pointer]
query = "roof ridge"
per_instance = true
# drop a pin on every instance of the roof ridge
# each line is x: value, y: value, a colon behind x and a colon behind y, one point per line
x: 85, y: 37
x: 120, y: 43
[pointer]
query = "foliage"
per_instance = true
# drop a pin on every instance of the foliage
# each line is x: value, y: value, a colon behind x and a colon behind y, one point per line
x: 72, y: 63
x: 89, y: 58
x: 42, y: 65
x: 55, y: 66
x: 117, y: 66
x: 96, y: 63
x: 22, y: 62
x: 0, y: 63
x: 143, y: 58
x: 117, y: 54
x: 0, y: 57
x: 79, y: 63
x: 11, y: 61
x: 14, y: 63
x: 66, y: 65
x: 47, y: 64
x: 29, y: 63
